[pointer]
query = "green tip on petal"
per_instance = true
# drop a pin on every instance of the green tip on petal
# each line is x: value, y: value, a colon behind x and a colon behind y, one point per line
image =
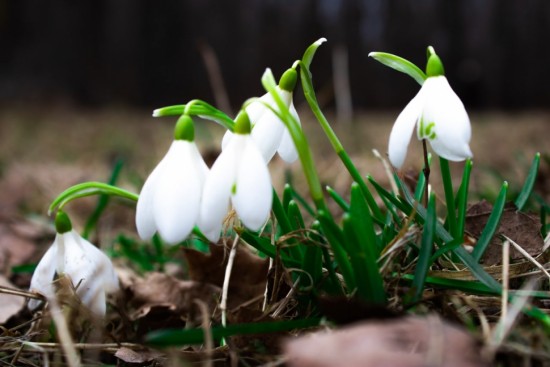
x: 185, y: 129
x: 434, y: 66
x: 62, y: 223
x: 242, y: 123
x: 288, y: 80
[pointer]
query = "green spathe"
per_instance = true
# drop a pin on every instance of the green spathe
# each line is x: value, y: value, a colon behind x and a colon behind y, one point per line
x: 62, y: 222
x: 288, y: 80
x: 434, y: 67
x: 185, y: 129
x: 242, y: 123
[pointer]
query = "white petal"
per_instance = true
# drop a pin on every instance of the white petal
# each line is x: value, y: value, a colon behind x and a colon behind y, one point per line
x: 42, y: 277
x: 200, y: 163
x: 217, y: 189
x: 145, y: 222
x: 267, y: 133
x: 226, y: 139
x: 287, y: 150
x: 253, y: 197
x: 267, y: 128
x: 402, y: 130
x: 452, y: 126
x: 257, y: 108
x: 178, y: 193
x: 90, y: 270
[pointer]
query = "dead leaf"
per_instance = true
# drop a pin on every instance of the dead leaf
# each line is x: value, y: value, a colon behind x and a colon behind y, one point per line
x: 14, y: 249
x: 405, y: 342
x: 248, y: 278
x: 523, y: 228
x: 174, y: 296
x: 11, y: 304
x: 137, y: 356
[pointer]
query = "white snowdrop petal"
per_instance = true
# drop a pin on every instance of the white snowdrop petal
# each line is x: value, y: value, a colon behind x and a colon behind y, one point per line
x: 213, y: 235
x: 267, y: 134
x: 145, y: 222
x: 402, y: 130
x: 199, y: 163
x: 177, y: 196
x: 226, y: 139
x: 253, y: 197
x: 217, y: 188
x: 452, y: 130
x: 258, y: 108
x: 82, y: 257
x: 90, y: 270
x: 42, y: 277
x: 287, y: 150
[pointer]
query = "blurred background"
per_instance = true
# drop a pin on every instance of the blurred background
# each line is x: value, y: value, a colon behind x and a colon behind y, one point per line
x: 79, y: 79
x: 148, y: 53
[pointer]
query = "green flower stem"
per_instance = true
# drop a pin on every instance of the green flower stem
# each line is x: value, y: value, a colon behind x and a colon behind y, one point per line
x: 197, y: 108
x: 309, y: 93
x: 89, y: 189
x: 449, y: 195
x: 300, y: 141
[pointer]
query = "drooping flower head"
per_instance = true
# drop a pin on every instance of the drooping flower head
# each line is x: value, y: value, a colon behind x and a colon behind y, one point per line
x: 90, y: 270
x: 439, y: 116
x: 268, y: 131
x: 240, y: 176
x: 170, y: 199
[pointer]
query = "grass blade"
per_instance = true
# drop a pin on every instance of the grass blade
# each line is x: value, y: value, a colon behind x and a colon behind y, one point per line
x: 492, y: 224
x: 449, y: 195
x: 264, y: 246
x: 462, y: 198
x: 400, y: 64
x: 424, y: 257
x: 102, y: 202
x: 527, y: 188
x: 366, y: 247
x: 177, y: 337
x: 338, y: 199
x: 337, y: 242
x: 464, y: 256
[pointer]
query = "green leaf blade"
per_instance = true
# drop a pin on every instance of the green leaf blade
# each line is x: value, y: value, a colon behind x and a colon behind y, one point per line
x: 400, y: 64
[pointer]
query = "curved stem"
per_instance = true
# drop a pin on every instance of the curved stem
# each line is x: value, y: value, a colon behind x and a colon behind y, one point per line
x: 199, y: 108
x: 89, y: 189
x: 309, y: 94
x: 300, y: 141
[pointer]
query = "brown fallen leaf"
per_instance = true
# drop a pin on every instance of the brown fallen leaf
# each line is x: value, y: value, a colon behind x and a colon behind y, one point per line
x: 14, y: 249
x: 10, y: 304
x: 523, y: 228
x: 137, y: 356
x: 406, y: 342
x: 175, y: 296
x: 248, y: 277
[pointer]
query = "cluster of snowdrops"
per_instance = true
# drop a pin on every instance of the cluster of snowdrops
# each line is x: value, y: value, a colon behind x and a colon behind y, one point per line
x: 183, y: 197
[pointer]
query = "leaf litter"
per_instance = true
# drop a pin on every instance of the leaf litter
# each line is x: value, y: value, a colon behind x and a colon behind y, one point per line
x: 158, y: 300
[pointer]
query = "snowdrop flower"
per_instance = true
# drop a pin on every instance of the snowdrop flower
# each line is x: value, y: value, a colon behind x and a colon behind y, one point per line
x: 439, y: 116
x: 268, y: 131
x: 90, y: 270
x: 170, y: 199
x: 239, y: 175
